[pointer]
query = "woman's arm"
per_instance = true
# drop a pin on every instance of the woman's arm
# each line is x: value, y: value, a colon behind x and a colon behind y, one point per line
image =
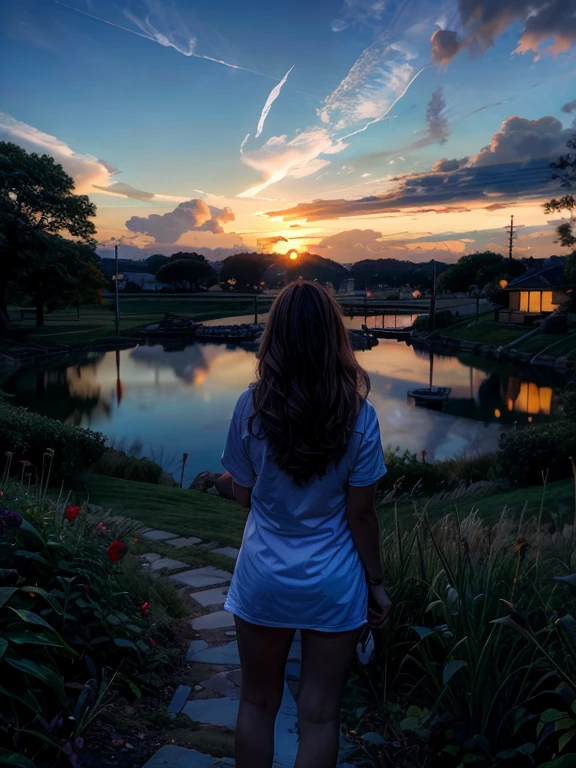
x: 228, y: 489
x: 363, y: 522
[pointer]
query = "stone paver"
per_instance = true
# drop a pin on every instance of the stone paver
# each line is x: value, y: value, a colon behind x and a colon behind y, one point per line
x: 230, y: 633
x: 150, y: 557
x: 203, y: 577
x: 171, y: 756
x: 183, y: 541
x: 223, y: 684
x: 219, y: 654
x: 196, y: 646
x: 216, y: 620
x: 179, y: 699
x: 159, y: 535
x: 167, y: 564
x: 230, y: 552
x: 208, y: 597
x: 213, y: 712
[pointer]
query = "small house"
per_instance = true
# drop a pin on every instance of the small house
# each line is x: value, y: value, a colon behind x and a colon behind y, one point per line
x: 535, y: 294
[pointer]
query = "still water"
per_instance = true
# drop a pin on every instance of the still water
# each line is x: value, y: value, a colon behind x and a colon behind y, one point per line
x: 162, y: 404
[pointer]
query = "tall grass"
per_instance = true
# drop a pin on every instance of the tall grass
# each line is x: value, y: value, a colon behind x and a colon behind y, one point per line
x: 481, y: 643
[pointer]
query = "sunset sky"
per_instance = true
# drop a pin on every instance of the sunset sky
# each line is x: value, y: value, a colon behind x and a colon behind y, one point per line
x: 396, y: 128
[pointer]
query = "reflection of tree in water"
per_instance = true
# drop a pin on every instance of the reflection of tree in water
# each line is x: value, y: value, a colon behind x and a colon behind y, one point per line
x: 189, y: 364
x: 70, y: 394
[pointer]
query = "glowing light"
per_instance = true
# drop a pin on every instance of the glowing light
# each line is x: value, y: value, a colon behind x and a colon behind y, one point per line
x: 497, y: 413
x: 292, y: 255
x: 503, y: 283
x: 416, y: 294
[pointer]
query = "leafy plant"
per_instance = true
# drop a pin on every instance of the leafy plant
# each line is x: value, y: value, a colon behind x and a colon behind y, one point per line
x: 525, y: 452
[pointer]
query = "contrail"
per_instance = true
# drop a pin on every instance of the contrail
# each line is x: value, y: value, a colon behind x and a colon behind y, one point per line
x: 244, y: 142
x: 274, y: 93
x: 384, y: 115
x: 166, y: 42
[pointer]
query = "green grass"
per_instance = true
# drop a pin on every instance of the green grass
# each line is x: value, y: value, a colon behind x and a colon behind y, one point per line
x: 189, y: 513
x: 97, y: 322
x: 558, y: 501
x: 487, y: 332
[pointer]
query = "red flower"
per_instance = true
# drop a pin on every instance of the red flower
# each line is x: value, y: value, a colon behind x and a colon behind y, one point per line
x: 102, y: 527
x: 152, y: 642
x: 116, y: 551
x: 71, y: 513
x: 84, y: 586
x: 144, y: 608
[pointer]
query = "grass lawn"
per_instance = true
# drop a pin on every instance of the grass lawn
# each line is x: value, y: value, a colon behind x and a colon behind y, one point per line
x: 97, y: 322
x: 562, y: 346
x: 179, y: 510
x: 209, y: 517
x: 487, y: 332
x: 558, y: 502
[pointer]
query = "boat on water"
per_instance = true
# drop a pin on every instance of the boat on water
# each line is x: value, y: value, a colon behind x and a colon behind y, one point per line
x: 429, y: 395
x: 400, y: 334
x: 178, y: 326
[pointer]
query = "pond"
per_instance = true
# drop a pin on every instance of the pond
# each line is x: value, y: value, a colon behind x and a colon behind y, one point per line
x: 162, y: 403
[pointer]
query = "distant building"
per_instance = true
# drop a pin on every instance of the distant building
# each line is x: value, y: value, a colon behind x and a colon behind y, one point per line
x: 146, y: 281
x: 535, y: 294
x: 347, y: 285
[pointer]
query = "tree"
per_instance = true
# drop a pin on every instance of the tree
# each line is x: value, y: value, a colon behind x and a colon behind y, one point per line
x: 247, y: 269
x: 187, y: 274
x: 154, y: 262
x: 312, y: 267
x: 38, y: 206
x: 478, y: 269
x: 565, y: 172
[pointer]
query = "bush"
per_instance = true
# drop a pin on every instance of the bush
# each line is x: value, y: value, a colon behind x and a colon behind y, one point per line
x: 478, y: 662
x: 96, y: 620
x: 114, y: 463
x: 28, y: 436
x: 525, y: 453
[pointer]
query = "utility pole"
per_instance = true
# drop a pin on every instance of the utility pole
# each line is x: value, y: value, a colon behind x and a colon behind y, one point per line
x: 432, y: 311
x: 513, y: 235
x: 116, y: 295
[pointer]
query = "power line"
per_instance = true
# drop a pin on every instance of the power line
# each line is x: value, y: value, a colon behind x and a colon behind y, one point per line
x: 512, y: 235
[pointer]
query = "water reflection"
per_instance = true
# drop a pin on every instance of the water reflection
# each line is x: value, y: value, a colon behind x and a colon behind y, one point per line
x: 180, y: 399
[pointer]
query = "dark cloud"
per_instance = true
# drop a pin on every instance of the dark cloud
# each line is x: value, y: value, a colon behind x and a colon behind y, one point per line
x: 270, y: 242
x: 445, y: 45
x: 545, y: 21
x: 515, y: 165
x: 193, y: 215
x: 570, y: 107
x: 438, y: 129
x: 445, y: 165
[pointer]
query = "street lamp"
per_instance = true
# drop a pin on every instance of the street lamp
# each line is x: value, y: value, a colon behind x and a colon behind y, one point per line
x: 115, y: 279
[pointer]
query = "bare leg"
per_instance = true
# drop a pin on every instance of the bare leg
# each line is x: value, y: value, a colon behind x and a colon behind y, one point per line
x: 326, y: 660
x: 263, y: 655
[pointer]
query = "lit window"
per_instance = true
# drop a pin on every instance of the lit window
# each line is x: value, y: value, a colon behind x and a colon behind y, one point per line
x: 524, y: 301
x: 547, y: 302
x: 534, y: 301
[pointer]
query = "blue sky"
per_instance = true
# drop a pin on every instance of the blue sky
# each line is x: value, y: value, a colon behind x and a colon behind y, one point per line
x: 380, y: 91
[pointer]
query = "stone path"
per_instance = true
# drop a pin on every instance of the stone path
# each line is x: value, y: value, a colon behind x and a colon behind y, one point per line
x: 214, y: 702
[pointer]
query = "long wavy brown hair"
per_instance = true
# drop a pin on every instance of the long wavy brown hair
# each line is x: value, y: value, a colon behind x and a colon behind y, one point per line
x: 309, y: 386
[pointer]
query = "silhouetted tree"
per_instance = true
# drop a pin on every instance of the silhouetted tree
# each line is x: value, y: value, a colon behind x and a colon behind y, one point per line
x: 247, y: 269
x: 37, y: 205
x: 313, y: 267
x: 187, y: 274
x: 479, y: 269
x: 154, y: 262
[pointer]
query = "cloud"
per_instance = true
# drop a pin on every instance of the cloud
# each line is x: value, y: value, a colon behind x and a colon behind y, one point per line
x: 358, y: 244
x: 89, y: 172
x: 545, y: 21
x: 515, y: 165
x: 193, y: 215
x: 445, y: 46
x: 570, y: 107
x: 270, y: 242
x: 445, y: 165
x: 521, y: 140
x: 300, y: 157
x: 363, y: 12
x: 128, y: 251
x: 163, y: 24
x: 274, y: 93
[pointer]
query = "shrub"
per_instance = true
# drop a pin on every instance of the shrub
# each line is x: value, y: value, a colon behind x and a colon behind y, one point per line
x: 114, y: 463
x: 478, y: 661
x: 526, y: 452
x: 94, y: 621
x: 28, y: 436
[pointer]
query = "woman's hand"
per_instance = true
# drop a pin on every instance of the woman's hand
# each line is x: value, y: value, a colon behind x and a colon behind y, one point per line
x: 379, y: 606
